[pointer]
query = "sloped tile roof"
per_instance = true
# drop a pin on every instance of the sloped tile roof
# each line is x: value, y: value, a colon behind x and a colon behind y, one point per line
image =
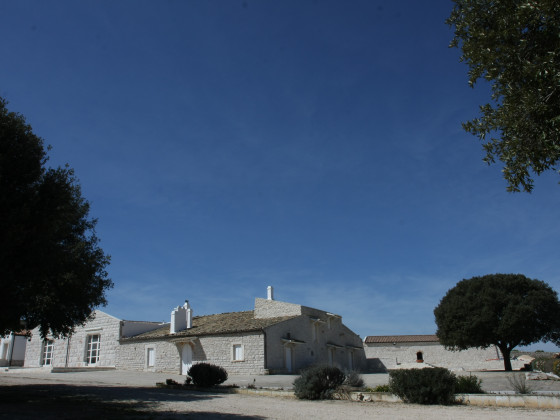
x: 371, y: 339
x: 226, y: 323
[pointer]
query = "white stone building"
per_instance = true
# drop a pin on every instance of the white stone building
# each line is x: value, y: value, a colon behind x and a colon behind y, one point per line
x: 12, y: 349
x: 409, y: 351
x: 275, y: 337
x: 93, y: 345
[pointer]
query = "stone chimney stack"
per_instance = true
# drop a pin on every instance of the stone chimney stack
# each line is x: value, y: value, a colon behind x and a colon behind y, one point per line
x: 270, y: 293
x: 189, y: 311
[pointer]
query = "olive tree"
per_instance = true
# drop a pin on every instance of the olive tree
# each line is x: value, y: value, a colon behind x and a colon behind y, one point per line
x: 515, y: 46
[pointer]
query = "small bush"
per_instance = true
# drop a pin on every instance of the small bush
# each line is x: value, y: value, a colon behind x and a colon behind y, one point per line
x: 381, y: 388
x: 468, y: 385
x: 207, y: 375
x: 544, y: 364
x: 318, y: 383
x: 354, y: 379
x: 423, y: 386
x: 519, y: 384
x: 556, y: 367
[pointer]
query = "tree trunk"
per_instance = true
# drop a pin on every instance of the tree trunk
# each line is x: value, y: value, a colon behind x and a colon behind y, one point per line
x: 506, y: 353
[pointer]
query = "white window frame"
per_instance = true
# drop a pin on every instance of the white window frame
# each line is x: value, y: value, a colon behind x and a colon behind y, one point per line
x: 151, y: 349
x: 47, y: 353
x: 90, y: 347
x: 234, y: 353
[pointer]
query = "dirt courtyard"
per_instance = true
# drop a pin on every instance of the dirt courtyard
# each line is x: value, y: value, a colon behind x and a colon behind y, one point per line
x: 39, y: 396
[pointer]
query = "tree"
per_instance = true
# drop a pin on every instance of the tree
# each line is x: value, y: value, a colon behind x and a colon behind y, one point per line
x: 515, y: 45
x: 506, y: 310
x: 52, y: 271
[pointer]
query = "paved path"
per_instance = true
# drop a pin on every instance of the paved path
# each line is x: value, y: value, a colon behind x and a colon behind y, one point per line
x: 30, y: 394
x: 491, y: 381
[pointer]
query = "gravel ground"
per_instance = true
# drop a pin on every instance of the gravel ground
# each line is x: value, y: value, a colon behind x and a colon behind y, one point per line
x: 131, y: 395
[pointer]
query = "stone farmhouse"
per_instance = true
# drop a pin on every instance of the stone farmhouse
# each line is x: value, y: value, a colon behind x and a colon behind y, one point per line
x: 274, y: 337
x: 409, y: 351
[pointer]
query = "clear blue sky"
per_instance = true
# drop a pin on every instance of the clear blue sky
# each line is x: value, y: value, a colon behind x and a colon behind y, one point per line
x: 310, y: 145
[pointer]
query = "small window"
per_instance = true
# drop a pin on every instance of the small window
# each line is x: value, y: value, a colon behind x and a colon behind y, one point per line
x: 419, y: 356
x: 93, y: 349
x: 238, y: 352
x: 48, y: 346
x: 150, y: 357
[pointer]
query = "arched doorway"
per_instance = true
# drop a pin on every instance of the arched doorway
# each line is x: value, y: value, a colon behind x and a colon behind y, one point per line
x: 186, y: 358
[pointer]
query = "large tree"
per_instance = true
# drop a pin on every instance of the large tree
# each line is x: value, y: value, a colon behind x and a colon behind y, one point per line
x: 515, y: 45
x: 52, y: 271
x: 506, y: 310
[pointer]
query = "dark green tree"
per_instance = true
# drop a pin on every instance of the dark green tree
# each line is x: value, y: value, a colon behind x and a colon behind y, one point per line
x: 506, y: 310
x: 52, y: 271
x: 514, y: 45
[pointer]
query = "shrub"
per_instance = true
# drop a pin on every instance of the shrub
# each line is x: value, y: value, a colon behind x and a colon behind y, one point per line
x: 207, y: 375
x: 468, y: 385
x: 423, y: 386
x: 381, y: 388
x: 519, y: 384
x: 544, y: 364
x: 318, y: 382
x: 556, y: 367
x: 354, y: 379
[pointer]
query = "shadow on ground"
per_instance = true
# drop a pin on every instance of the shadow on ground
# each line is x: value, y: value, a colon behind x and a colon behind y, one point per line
x: 102, y: 403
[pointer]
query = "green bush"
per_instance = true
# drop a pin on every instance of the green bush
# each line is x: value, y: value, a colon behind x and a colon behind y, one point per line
x: 468, y: 385
x: 544, y: 364
x: 381, y: 388
x: 556, y: 367
x: 318, y: 382
x: 207, y: 375
x: 423, y: 386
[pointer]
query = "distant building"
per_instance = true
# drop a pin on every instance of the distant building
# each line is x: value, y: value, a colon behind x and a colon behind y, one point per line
x: 386, y: 352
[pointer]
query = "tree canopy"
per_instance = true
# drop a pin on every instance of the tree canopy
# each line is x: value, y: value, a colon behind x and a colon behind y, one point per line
x: 506, y: 310
x: 515, y: 45
x: 52, y: 269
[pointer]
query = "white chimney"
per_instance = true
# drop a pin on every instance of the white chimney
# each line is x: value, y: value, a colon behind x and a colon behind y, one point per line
x: 270, y: 293
x: 189, y: 313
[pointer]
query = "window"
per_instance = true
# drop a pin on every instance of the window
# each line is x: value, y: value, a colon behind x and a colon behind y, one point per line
x: 150, y: 357
x: 48, y: 346
x: 238, y: 352
x: 93, y: 348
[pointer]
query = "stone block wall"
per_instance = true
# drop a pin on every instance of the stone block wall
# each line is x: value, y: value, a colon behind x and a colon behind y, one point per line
x: 265, y: 308
x: 133, y: 356
x: 71, y: 352
x: 388, y: 356
x: 313, y: 337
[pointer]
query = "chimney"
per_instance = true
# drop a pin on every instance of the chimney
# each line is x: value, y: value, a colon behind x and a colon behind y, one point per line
x: 189, y: 313
x: 270, y: 293
x: 181, y: 318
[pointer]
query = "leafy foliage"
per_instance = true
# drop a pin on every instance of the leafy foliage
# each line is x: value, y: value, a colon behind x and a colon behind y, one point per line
x: 206, y: 375
x: 506, y: 310
x: 318, y: 382
x: 53, y: 271
x: 468, y: 385
x: 514, y: 45
x: 382, y: 388
x: 423, y: 386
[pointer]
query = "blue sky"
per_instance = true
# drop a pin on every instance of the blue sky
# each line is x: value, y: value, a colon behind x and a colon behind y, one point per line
x: 314, y: 146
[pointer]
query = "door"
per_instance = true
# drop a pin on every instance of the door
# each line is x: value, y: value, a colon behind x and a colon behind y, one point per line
x: 186, y: 359
x: 288, y: 356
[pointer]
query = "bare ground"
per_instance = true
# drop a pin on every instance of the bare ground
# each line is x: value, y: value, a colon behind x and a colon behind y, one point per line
x: 29, y: 398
